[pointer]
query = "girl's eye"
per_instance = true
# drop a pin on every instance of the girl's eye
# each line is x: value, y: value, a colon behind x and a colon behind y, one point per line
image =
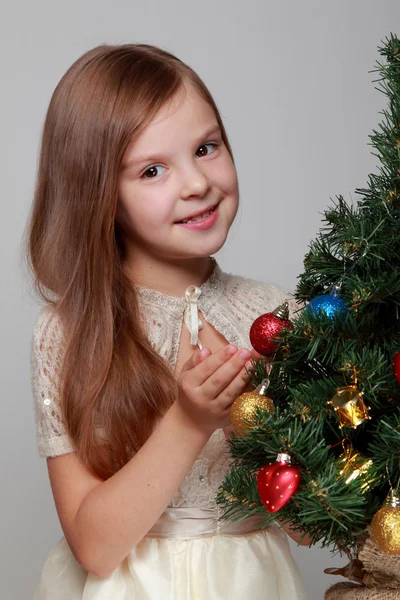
x: 212, y: 144
x: 151, y: 172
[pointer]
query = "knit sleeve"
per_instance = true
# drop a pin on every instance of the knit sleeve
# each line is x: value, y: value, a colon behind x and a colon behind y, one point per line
x: 46, y: 355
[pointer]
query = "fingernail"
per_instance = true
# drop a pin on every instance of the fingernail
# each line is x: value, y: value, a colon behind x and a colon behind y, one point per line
x: 245, y: 354
x: 249, y: 365
x: 230, y: 350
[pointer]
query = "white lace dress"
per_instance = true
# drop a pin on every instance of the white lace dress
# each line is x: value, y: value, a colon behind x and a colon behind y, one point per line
x: 189, y: 554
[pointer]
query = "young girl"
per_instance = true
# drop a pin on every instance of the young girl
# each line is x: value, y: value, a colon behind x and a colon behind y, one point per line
x: 143, y: 343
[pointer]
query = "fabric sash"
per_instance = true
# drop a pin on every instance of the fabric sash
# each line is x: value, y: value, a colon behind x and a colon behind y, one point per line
x: 192, y: 522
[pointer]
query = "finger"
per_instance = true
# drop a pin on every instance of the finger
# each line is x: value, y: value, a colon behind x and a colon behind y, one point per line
x: 223, y: 376
x: 240, y: 384
x: 255, y: 359
x: 255, y: 356
x: 212, y: 363
x: 197, y: 357
x: 204, y: 353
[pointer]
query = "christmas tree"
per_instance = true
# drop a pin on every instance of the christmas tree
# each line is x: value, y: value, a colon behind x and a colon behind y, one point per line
x: 334, y: 377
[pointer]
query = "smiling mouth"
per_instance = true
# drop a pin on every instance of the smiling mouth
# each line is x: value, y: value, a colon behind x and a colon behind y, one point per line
x: 199, y: 217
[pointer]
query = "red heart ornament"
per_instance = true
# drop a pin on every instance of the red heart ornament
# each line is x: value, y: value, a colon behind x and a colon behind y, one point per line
x: 276, y: 484
x: 396, y: 366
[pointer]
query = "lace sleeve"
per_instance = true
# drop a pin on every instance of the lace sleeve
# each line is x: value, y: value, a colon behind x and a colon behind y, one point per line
x: 46, y: 353
x: 253, y: 298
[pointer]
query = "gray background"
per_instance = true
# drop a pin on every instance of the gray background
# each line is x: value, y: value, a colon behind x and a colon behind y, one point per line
x: 293, y: 85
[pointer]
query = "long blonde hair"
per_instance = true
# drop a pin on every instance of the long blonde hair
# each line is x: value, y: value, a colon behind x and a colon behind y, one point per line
x: 111, y: 376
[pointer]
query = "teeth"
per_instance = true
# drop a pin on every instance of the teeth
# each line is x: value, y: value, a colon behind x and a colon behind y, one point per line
x: 199, y: 217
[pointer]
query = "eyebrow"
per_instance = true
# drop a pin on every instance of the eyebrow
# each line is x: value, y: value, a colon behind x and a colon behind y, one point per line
x: 152, y: 158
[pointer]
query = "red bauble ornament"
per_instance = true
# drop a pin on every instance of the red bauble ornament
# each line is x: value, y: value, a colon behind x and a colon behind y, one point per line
x: 268, y: 327
x: 396, y: 366
x: 276, y: 483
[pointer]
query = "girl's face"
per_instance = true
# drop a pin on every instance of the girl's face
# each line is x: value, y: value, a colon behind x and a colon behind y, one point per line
x: 177, y: 167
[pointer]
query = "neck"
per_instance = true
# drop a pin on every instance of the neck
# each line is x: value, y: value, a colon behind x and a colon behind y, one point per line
x: 171, y: 277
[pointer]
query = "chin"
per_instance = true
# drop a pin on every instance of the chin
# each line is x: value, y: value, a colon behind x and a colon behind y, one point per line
x: 208, y: 249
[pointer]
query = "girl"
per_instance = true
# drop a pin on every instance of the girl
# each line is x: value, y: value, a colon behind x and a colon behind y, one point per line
x: 136, y: 190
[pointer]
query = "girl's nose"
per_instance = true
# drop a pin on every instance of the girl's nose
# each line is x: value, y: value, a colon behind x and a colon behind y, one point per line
x: 194, y: 183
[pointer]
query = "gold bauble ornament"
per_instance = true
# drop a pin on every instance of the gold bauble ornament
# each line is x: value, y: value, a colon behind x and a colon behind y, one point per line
x: 244, y: 409
x: 349, y: 405
x: 385, y: 525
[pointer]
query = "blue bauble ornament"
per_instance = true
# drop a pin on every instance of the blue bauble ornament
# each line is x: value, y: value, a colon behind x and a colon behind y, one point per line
x: 332, y: 305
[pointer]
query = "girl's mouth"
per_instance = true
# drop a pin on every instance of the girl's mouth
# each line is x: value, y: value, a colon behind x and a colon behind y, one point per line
x: 204, y: 221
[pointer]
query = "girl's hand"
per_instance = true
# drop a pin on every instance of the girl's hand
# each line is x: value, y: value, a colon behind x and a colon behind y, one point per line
x: 296, y: 535
x: 210, y: 383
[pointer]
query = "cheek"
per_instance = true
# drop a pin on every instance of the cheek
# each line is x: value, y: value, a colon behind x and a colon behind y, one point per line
x: 226, y: 176
x: 141, y: 206
x: 131, y: 210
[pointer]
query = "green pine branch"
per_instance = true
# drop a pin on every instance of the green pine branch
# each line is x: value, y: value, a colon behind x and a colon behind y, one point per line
x: 357, y: 249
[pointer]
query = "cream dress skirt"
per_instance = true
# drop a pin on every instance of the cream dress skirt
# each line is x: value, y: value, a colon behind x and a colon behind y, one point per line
x: 187, y: 555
